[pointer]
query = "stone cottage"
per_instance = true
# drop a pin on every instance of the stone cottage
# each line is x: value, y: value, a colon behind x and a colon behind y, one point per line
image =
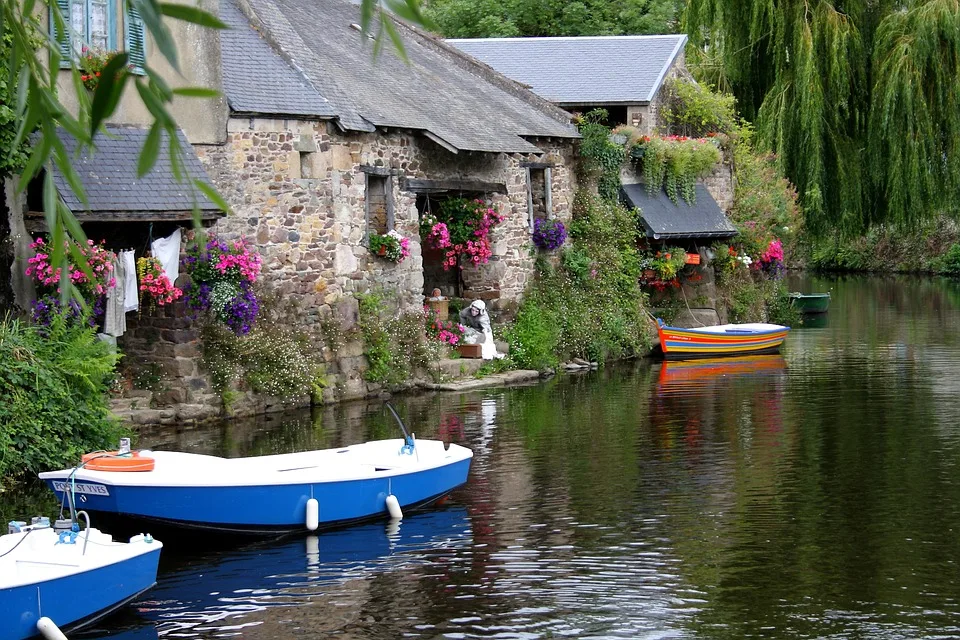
x: 325, y: 144
x: 622, y: 74
x: 316, y: 144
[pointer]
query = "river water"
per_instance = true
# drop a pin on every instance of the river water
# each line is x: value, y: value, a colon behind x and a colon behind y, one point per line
x: 813, y: 495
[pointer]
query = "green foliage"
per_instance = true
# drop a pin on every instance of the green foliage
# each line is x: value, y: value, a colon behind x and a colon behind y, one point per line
x: 675, y: 163
x: 666, y: 263
x: 949, y: 263
x: 12, y: 155
x: 53, y: 403
x: 765, y: 204
x: 886, y: 248
x: 510, y: 18
x: 780, y: 309
x: 694, y: 110
x: 274, y: 358
x: 859, y: 102
x: 395, y: 345
x: 534, y: 335
x: 592, y: 306
x: 600, y: 157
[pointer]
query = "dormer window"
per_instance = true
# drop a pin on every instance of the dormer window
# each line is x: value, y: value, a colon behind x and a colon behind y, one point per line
x: 93, y: 24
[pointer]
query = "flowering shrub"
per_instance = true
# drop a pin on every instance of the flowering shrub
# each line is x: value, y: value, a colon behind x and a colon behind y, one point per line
x: 48, y: 278
x: 46, y: 307
x: 665, y: 264
x: 223, y: 274
x: 154, y: 283
x: 548, y: 234
x: 390, y: 245
x: 462, y: 229
x: 448, y: 332
x: 771, y: 260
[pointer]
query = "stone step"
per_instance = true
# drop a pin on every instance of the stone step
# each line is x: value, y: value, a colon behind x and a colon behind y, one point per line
x: 456, y: 368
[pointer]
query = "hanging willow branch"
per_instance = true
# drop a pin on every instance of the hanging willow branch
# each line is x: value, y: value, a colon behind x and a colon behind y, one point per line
x: 859, y: 100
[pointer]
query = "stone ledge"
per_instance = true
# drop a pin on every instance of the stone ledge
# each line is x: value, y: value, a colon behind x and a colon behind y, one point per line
x: 495, y: 380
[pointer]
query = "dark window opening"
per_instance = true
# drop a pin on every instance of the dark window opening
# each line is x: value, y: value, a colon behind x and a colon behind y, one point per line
x: 449, y: 280
x: 539, y: 197
x: 379, y: 213
x: 307, y: 168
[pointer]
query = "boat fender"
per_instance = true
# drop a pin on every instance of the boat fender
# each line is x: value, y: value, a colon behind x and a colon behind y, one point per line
x: 393, y: 507
x: 49, y: 630
x: 313, y: 514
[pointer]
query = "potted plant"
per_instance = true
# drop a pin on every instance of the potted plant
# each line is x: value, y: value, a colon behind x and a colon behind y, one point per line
x: 390, y: 246
x: 548, y: 234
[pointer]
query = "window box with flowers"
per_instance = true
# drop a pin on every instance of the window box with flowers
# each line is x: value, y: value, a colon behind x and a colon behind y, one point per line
x: 662, y: 268
x: 390, y: 246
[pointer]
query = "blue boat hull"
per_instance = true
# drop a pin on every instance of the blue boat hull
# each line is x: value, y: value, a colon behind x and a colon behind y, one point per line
x: 76, y: 600
x: 267, y: 509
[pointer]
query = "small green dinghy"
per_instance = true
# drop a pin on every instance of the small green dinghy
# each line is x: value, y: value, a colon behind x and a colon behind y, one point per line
x: 810, y: 302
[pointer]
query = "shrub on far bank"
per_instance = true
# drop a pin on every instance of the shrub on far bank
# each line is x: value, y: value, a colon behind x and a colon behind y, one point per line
x: 53, y: 396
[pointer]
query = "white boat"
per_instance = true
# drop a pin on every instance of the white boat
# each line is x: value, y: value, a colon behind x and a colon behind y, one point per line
x: 266, y: 494
x: 70, y: 578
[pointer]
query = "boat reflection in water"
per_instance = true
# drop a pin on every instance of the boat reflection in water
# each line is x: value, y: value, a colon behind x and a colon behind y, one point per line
x: 259, y: 587
x: 689, y: 376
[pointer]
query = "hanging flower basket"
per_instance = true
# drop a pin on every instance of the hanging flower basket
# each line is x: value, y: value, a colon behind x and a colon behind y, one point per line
x: 693, y: 258
x: 390, y: 246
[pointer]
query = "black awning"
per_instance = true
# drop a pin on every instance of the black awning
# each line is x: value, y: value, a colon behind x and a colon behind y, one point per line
x: 664, y: 219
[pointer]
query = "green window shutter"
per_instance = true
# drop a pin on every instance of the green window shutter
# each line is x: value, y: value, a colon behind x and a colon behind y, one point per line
x: 136, y: 40
x: 63, y: 39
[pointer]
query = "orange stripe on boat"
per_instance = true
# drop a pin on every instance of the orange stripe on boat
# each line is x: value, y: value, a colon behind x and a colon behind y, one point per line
x: 113, y: 461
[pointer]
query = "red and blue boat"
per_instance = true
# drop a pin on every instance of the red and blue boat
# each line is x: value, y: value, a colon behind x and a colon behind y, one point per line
x: 722, y: 340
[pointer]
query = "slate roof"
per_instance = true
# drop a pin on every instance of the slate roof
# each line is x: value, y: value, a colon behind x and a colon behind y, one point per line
x: 256, y: 79
x: 109, y: 175
x: 663, y: 219
x: 441, y: 92
x: 582, y: 70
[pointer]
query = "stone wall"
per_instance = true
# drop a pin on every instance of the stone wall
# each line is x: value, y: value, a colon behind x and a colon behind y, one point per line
x: 297, y: 189
x: 310, y: 226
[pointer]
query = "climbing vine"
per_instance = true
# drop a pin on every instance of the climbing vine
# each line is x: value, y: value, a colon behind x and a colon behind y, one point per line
x: 600, y: 157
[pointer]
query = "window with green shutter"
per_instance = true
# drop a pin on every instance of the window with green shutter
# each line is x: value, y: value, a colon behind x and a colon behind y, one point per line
x: 136, y: 40
x: 86, y: 23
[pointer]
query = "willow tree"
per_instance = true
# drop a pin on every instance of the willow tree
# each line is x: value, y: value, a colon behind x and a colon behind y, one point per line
x: 860, y: 99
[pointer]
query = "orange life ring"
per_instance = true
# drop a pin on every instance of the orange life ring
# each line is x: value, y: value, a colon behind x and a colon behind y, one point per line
x: 113, y: 461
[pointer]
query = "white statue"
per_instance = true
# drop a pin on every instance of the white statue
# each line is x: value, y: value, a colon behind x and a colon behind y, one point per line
x: 478, y: 330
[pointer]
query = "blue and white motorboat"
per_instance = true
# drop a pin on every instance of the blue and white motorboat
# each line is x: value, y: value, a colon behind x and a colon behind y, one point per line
x: 309, y: 490
x: 67, y: 579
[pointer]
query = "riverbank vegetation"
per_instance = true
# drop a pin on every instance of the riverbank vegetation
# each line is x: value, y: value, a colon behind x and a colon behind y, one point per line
x: 54, y: 381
